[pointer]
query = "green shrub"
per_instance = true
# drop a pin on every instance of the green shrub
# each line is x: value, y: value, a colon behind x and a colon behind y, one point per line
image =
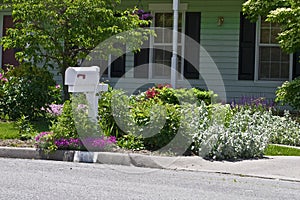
x: 72, y: 123
x: 163, y: 124
x: 180, y: 96
x: 26, y: 129
x: 244, y: 135
x: 26, y: 91
x: 65, y: 126
x: 139, y: 122
x: 116, y: 119
x: 132, y: 142
x: 285, y: 130
x: 107, y: 120
x: 232, y: 133
x: 215, y: 131
x: 289, y: 93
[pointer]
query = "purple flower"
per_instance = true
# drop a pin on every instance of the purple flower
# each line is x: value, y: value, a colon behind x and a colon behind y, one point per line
x: 140, y: 12
x: 41, y: 135
x: 55, y: 109
x: 99, y: 143
x: 96, y: 144
x: 256, y: 102
x: 71, y: 143
x: 144, y: 15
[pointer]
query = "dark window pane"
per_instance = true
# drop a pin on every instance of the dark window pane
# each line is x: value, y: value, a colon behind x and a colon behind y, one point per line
x: 275, y: 70
x: 274, y: 35
x: 264, y: 70
x: 285, y: 68
x: 265, y: 54
x: 265, y: 36
x: 275, y: 54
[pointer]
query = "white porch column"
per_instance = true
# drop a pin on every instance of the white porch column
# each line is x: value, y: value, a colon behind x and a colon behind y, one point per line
x: 175, y: 43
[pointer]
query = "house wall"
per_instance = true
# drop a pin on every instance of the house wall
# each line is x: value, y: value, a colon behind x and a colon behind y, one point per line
x: 220, y: 50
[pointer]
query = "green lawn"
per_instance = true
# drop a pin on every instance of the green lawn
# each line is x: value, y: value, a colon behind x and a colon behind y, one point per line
x: 274, y: 150
x: 8, y: 130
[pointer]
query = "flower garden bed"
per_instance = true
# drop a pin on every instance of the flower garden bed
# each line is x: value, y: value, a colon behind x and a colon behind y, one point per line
x: 159, y: 120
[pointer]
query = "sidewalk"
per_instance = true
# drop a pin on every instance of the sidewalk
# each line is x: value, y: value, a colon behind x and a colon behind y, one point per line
x: 279, y: 167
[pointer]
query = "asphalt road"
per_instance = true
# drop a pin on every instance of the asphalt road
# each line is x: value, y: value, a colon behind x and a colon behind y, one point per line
x: 37, y: 179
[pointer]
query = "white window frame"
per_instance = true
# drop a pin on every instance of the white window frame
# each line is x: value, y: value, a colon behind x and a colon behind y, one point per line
x: 257, y: 56
x: 167, y: 8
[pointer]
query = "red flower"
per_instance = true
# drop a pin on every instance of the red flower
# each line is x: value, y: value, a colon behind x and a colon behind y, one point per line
x: 151, y: 93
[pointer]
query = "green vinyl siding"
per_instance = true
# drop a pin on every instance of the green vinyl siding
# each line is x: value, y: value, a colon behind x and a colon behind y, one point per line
x: 221, y: 43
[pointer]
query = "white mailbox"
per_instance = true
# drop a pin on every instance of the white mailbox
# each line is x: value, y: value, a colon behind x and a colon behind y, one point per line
x: 82, y: 79
x: 86, y: 80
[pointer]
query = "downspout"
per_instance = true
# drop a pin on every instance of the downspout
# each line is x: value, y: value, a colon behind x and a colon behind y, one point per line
x: 175, y: 43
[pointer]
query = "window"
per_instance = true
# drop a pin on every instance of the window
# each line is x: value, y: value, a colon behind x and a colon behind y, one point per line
x: 114, y: 67
x: 162, y: 45
x: 273, y: 63
x: 260, y: 56
x: 154, y: 61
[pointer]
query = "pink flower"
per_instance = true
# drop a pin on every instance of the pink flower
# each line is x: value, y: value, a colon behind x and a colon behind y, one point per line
x: 57, y: 86
x: 4, y: 79
x: 55, y: 109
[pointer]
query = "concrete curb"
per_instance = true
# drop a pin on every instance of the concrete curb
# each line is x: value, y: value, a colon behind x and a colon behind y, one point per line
x: 25, y: 153
x: 279, y: 168
x: 32, y: 153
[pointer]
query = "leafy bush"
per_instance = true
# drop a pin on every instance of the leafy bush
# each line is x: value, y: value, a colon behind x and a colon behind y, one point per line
x: 105, y: 112
x: 161, y: 125
x: 289, y: 93
x: 26, y: 129
x: 116, y: 119
x: 285, y: 130
x: 25, y: 90
x: 72, y: 129
x: 142, y: 122
x: 131, y: 141
x: 65, y: 126
x: 44, y: 141
x: 179, y: 96
x: 244, y: 135
x: 139, y: 122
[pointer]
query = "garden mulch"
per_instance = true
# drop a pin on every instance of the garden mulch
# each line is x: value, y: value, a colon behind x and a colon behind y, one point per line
x: 17, y: 143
